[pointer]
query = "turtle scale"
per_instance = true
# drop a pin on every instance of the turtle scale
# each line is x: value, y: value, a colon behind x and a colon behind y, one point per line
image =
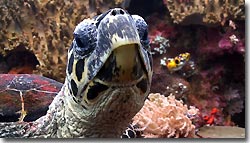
x: 37, y: 92
x: 109, y: 43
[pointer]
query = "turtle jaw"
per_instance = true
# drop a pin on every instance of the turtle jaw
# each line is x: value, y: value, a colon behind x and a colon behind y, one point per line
x: 125, y: 60
x: 116, y: 109
x: 123, y: 69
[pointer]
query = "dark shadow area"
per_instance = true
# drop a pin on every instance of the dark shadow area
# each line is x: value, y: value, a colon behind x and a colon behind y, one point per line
x: 146, y: 7
x: 21, y: 61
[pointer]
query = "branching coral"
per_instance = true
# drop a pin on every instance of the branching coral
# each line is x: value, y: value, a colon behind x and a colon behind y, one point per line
x: 160, y: 45
x: 204, y: 11
x: 165, y: 117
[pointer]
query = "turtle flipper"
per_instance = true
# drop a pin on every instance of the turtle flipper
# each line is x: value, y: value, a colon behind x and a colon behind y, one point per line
x: 14, y: 129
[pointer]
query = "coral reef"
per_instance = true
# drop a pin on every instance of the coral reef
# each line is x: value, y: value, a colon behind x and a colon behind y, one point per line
x: 165, y: 117
x: 204, y: 11
x: 213, y: 32
x: 215, y: 71
x: 44, y: 29
x: 219, y: 41
x: 212, y: 90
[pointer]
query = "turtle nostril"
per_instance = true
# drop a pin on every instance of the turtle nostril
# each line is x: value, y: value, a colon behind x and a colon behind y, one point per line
x: 117, y: 11
x: 122, y: 12
x: 113, y: 12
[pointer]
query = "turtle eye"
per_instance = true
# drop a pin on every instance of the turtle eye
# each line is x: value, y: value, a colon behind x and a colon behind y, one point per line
x: 144, y: 38
x: 83, y: 46
x: 142, y: 29
x: 84, y: 38
x: 79, y: 42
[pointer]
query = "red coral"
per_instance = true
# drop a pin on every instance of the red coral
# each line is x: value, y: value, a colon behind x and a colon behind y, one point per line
x: 209, y: 119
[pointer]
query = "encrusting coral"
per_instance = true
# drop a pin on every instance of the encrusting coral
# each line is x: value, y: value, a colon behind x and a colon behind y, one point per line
x: 44, y: 28
x: 205, y: 11
x: 215, y: 77
x: 165, y: 117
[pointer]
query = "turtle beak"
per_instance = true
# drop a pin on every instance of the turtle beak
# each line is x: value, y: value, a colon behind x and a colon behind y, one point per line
x: 119, y: 55
x: 126, y: 58
x: 118, y: 39
x: 123, y: 65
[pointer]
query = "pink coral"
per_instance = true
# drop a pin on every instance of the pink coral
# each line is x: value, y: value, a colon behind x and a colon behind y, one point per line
x: 225, y: 43
x: 213, y: 42
x: 165, y: 117
x: 231, y: 42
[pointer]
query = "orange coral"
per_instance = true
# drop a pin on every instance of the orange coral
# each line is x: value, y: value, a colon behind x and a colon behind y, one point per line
x: 165, y: 117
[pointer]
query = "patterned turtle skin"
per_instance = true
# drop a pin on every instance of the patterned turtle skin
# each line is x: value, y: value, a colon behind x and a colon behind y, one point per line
x: 108, y: 77
x: 132, y: 131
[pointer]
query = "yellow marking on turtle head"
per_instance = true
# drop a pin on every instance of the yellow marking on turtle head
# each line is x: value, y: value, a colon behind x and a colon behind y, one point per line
x: 120, y: 41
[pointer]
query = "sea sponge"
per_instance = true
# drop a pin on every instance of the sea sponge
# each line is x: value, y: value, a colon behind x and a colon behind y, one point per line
x: 204, y: 11
x: 165, y: 117
x: 44, y: 28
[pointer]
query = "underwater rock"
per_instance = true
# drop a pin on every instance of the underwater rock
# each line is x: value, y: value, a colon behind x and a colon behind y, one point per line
x: 44, y: 29
x: 25, y: 97
x: 204, y: 11
x: 221, y: 132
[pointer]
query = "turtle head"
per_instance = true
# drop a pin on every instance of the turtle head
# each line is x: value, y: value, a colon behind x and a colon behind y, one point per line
x: 109, y: 62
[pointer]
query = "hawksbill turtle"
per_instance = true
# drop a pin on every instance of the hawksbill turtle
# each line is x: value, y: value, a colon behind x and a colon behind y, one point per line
x: 108, y: 77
